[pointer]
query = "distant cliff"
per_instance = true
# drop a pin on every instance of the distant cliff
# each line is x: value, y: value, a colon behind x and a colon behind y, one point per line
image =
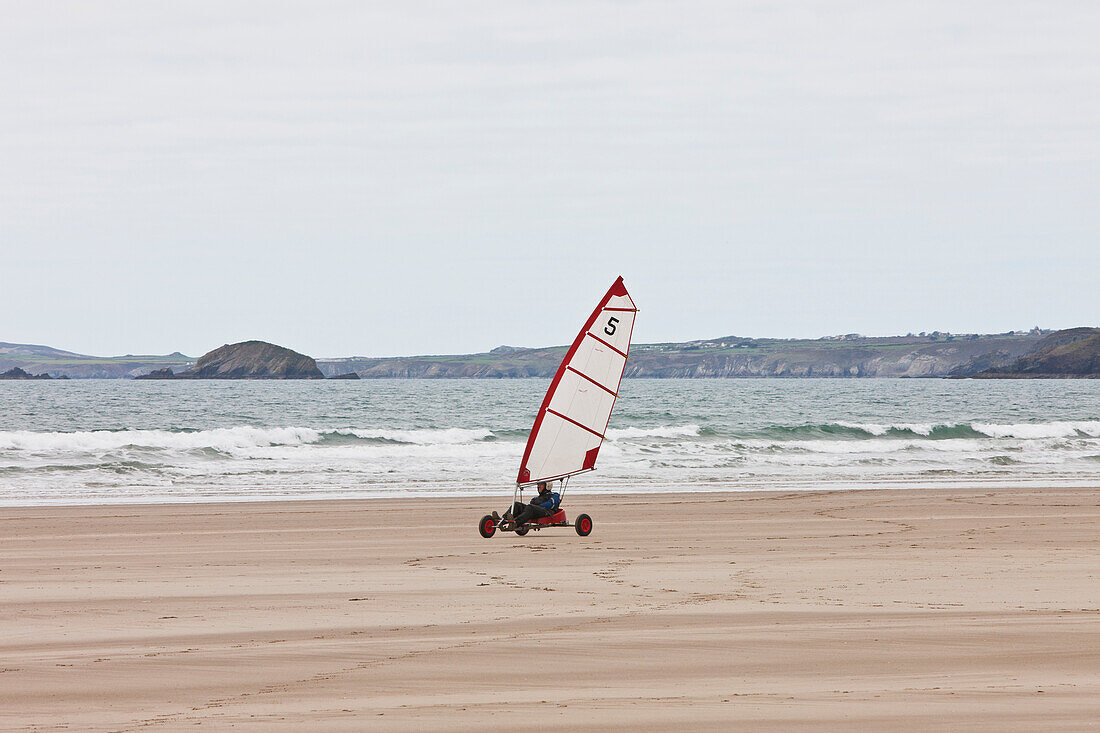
x: 247, y: 360
x: 926, y: 355
x: 1070, y: 354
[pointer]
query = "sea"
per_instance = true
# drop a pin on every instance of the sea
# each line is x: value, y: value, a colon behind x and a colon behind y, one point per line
x: 121, y: 441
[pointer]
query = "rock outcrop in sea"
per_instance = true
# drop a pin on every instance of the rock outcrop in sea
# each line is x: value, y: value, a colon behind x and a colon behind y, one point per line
x: 165, y: 373
x: 17, y: 373
x: 247, y: 360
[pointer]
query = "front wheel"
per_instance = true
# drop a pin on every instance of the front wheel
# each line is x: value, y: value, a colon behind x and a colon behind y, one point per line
x: 583, y: 525
x: 487, y: 526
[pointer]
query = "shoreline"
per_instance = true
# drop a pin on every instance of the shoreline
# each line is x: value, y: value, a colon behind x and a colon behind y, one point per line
x: 1009, y: 484
x: 604, y: 499
x: 890, y: 609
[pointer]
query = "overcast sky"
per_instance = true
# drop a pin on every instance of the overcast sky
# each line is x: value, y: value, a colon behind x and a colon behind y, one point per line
x: 399, y: 178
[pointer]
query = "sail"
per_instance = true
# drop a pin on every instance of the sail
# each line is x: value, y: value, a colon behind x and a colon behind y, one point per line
x: 571, y: 422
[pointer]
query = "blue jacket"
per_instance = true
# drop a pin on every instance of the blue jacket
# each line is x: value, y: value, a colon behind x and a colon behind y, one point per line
x: 550, y: 502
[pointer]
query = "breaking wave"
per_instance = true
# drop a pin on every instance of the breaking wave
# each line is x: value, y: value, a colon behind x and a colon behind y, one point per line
x: 678, y: 431
x: 226, y: 439
x: 824, y: 436
x: 429, y: 436
x: 932, y: 431
x: 222, y: 439
x: 1080, y: 429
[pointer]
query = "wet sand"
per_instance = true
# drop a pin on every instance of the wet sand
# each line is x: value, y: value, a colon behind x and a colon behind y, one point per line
x: 879, y: 610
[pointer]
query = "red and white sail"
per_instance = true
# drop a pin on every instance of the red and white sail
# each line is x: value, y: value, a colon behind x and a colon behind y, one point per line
x: 571, y: 423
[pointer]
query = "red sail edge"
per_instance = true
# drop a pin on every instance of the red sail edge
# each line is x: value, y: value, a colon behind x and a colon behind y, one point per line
x: 617, y: 289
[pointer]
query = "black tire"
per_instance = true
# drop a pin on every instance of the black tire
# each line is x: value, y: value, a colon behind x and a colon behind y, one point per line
x: 487, y: 526
x: 583, y: 525
x: 523, y: 530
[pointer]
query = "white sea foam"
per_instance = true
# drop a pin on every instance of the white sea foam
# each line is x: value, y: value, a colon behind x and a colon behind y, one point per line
x: 886, y: 445
x: 106, y: 440
x: 882, y: 429
x: 222, y: 439
x: 1058, y: 429
x: 436, y: 436
x: 671, y: 431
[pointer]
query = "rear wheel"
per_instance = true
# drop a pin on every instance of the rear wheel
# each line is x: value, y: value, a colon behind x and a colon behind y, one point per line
x: 523, y: 530
x: 487, y: 526
x: 583, y: 525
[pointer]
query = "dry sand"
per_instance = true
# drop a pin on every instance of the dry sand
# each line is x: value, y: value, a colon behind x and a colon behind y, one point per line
x: 875, y: 610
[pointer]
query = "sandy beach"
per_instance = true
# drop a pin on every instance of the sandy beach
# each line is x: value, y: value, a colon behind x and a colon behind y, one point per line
x: 879, y: 610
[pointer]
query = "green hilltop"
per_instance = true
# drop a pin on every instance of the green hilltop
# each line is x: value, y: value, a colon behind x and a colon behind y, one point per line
x: 57, y: 363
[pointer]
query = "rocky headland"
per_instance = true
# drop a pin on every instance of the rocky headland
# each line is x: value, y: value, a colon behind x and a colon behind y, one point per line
x: 1070, y: 354
x: 246, y: 360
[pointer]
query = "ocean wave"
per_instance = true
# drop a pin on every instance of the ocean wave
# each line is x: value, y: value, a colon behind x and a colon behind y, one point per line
x: 227, y: 440
x: 669, y: 431
x: 935, y: 431
x: 821, y: 436
x: 863, y: 431
x: 221, y: 439
x: 331, y: 455
x: 929, y: 430
x: 427, y: 436
x: 1060, y: 429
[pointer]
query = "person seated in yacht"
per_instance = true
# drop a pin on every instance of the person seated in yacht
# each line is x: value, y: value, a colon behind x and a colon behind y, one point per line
x: 542, y: 505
